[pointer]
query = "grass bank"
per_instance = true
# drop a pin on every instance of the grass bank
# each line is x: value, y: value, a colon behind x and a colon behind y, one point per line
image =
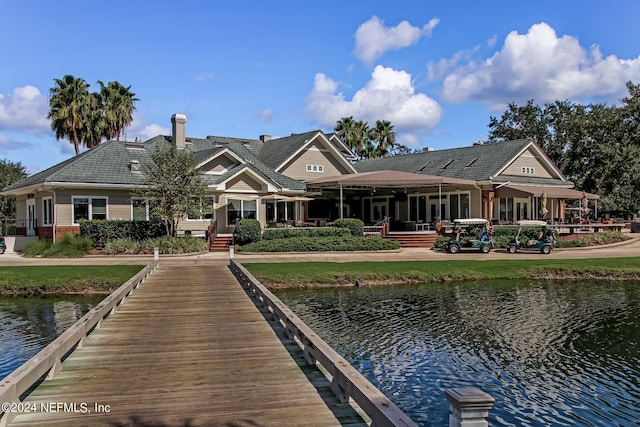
x: 63, y: 279
x: 310, y: 274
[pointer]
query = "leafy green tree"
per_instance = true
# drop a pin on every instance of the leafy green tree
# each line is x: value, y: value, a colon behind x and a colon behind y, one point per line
x: 597, y: 146
x: 173, y: 187
x: 9, y: 173
x: 68, y: 109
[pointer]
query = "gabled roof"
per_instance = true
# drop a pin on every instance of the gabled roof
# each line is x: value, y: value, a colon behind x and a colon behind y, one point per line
x: 479, y: 162
x: 108, y: 165
x: 277, y: 153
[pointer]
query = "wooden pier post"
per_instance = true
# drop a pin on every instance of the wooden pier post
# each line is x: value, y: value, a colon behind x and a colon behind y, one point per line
x: 469, y: 407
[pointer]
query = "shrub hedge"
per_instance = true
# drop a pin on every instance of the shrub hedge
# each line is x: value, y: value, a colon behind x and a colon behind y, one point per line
x: 321, y: 244
x: 287, y: 233
x: 354, y: 225
x: 103, y: 231
x: 247, y: 231
x: 165, y: 245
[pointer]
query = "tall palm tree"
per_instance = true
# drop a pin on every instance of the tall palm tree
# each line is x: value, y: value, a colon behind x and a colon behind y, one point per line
x: 95, y: 123
x: 118, y: 104
x: 360, y: 138
x: 344, y: 130
x: 68, y: 104
x: 384, y: 136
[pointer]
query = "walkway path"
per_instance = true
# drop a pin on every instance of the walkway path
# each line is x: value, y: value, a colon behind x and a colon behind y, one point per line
x: 188, y: 348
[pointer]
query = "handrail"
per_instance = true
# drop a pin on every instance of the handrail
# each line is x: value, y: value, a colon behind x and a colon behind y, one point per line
x: 347, y: 382
x: 49, y: 360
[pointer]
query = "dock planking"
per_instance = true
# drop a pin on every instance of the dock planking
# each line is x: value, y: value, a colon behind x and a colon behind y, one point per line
x: 188, y: 348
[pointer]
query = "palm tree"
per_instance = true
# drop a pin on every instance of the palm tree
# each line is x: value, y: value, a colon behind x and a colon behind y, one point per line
x: 95, y: 123
x: 118, y: 104
x: 68, y: 104
x: 384, y: 136
x: 344, y: 130
x: 360, y: 138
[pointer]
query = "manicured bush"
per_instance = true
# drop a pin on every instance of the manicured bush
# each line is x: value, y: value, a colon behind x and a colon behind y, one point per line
x: 102, y: 232
x: 594, y: 239
x: 354, y: 225
x: 441, y: 242
x: 247, y: 231
x: 287, y: 233
x: 321, y: 244
x: 165, y: 245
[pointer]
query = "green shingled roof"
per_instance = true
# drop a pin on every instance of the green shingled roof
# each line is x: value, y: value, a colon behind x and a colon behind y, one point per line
x: 478, y: 162
x: 108, y: 164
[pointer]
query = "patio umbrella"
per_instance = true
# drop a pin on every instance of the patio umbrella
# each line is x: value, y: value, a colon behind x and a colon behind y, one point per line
x: 585, y: 204
x: 543, y: 204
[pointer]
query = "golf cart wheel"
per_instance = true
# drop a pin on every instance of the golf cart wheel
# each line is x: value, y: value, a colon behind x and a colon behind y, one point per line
x: 485, y: 249
x: 512, y: 249
x: 545, y: 249
x: 454, y: 249
x: 1, y: 250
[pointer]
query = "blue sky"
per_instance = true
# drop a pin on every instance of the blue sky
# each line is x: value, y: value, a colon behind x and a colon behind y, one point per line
x: 437, y: 70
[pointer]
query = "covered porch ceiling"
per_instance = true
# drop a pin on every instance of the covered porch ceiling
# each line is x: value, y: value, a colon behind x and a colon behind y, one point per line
x: 508, y: 191
x: 388, y: 179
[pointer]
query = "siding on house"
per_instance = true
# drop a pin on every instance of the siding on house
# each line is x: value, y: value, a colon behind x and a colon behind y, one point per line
x: 219, y: 165
x: 244, y: 182
x: 528, y: 160
x: 316, y: 154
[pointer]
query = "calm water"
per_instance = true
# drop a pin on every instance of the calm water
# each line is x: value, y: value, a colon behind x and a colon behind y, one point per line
x: 27, y: 325
x: 551, y: 354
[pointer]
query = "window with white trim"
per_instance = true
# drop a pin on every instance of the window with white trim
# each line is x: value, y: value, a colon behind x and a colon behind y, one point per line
x: 47, y: 211
x: 88, y: 208
x: 203, y: 209
x: 315, y: 168
x: 529, y: 170
x: 238, y: 209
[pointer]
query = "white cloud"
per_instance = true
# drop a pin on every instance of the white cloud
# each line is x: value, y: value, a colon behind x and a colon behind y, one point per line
x: 149, y: 131
x: 24, y: 110
x: 389, y: 95
x: 539, y: 65
x: 266, y: 115
x: 208, y: 75
x: 373, y: 39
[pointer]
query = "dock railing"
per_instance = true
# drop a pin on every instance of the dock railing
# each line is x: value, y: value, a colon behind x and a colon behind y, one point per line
x: 48, y: 362
x: 346, y: 382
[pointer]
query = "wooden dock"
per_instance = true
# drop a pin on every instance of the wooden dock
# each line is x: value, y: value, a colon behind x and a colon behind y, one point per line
x: 188, y: 348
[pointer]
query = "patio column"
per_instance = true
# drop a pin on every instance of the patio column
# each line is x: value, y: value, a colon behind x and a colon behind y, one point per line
x: 341, y: 208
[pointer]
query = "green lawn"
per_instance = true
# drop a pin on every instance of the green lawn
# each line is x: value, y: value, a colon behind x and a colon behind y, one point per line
x: 35, y: 280
x: 327, y: 273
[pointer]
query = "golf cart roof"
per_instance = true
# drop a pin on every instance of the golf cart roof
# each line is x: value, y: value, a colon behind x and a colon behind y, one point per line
x: 531, y: 223
x: 470, y: 221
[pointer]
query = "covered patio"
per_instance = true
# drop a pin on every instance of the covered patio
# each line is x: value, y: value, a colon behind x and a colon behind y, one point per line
x: 550, y: 203
x: 407, y: 201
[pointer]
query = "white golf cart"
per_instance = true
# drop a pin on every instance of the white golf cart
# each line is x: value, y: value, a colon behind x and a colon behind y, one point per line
x: 470, y: 234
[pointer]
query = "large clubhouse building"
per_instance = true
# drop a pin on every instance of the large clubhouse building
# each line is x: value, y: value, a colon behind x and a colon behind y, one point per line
x: 299, y: 180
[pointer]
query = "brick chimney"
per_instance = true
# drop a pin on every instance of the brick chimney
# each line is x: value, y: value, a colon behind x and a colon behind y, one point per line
x: 178, y: 134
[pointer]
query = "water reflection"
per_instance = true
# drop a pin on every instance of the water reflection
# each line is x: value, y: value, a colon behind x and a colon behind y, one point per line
x: 550, y: 353
x: 28, y: 324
